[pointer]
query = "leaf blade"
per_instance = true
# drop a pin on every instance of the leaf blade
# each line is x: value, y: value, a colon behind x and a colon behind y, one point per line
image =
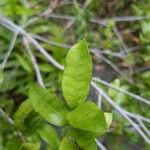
x: 77, y: 75
x: 108, y: 118
x: 48, y: 105
x: 88, y: 117
x: 67, y: 143
x: 84, y: 139
x: 23, y: 111
x: 49, y: 135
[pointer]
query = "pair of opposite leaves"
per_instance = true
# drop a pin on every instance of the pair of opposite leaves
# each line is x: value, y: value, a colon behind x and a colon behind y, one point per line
x: 75, y: 86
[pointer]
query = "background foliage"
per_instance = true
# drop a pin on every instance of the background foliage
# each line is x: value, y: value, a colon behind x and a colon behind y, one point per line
x: 118, y: 34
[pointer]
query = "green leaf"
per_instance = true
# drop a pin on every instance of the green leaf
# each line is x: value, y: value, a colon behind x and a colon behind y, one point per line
x: 121, y: 98
x: 48, y: 105
x: 49, y: 135
x: 44, y: 67
x: 108, y: 118
x: 1, y: 142
x: 33, y: 122
x: 1, y: 77
x: 13, y: 144
x: 84, y: 139
x: 88, y: 117
x: 30, y: 146
x: 68, y: 143
x: 23, y: 111
x: 111, y: 92
x: 26, y: 66
x: 77, y: 74
x: 146, y: 27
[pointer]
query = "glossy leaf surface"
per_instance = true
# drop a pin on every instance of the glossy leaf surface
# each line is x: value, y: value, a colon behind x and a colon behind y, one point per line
x: 48, y: 105
x: 68, y: 143
x: 77, y: 75
x: 88, y: 117
x: 84, y: 139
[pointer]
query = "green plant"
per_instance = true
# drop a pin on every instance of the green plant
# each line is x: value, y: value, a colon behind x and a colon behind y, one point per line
x: 118, y: 35
x: 83, y: 121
